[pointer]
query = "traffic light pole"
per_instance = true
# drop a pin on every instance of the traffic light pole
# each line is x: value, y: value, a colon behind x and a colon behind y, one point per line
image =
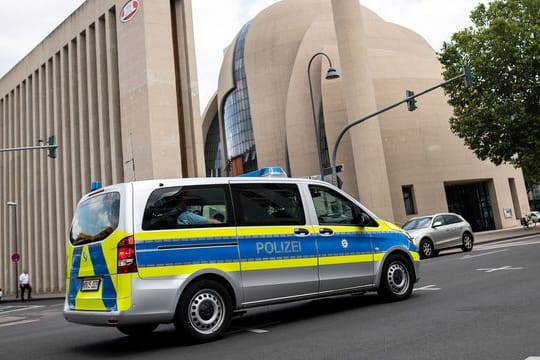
x: 52, y: 146
x: 468, y: 82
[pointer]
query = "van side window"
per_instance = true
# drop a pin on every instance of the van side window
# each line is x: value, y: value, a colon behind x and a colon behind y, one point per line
x: 187, y: 207
x: 334, y: 209
x: 268, y: 204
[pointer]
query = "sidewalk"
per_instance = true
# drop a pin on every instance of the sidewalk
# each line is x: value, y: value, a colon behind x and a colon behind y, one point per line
x: 35, y: 297
x: 480, y: 237
x: 504, y: 234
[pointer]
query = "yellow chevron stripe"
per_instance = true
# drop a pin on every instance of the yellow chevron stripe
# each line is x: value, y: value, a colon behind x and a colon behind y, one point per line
x: 160, y: 271
x: 186, y: 233
x: 345, y: 259
x: 267, y: 230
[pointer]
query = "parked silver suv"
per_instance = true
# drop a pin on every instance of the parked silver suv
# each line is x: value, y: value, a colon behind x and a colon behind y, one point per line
x: 439, y: 231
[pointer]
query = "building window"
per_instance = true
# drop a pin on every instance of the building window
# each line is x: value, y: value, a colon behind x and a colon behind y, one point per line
x: 408, y: 199
x: 212, y: 150
x: 239, y: 136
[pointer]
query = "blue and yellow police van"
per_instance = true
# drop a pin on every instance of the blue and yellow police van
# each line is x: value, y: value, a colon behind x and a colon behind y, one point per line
x: 193, y: 252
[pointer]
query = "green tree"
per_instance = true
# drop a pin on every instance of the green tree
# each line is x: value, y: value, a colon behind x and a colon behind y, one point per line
x: 499, y: 117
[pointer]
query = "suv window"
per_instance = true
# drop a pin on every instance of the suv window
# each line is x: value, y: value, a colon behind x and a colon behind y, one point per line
x: 268, y: 204
x: 95, y: 218
x: 187, y: 206
x: 451, y: 219
x: 334, y: 209
x: 440, y: 219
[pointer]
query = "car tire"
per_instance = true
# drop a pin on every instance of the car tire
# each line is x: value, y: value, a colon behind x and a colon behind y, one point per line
x: 397, y: 278
x: 204, y: 311
x: 468, y: 241
x: 426, y: 249
x: 137, y: 330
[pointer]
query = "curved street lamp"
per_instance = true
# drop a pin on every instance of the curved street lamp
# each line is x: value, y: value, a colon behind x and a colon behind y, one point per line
x: 331, y: 73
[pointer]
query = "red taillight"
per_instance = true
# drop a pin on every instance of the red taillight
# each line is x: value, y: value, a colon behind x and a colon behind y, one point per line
x: 126, y: 256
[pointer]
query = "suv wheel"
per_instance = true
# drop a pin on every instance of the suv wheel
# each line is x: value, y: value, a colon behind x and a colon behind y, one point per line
x: 426, y: 249
x: 468, y: 241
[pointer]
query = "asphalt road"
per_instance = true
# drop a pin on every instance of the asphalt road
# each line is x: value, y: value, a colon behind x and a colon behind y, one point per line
x: 479, y: 305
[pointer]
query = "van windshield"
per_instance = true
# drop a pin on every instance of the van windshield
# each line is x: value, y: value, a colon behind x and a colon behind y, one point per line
x: 95, y: 219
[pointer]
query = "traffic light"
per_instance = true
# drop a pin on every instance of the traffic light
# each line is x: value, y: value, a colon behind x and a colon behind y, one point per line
x: 467, y: 76
x: 52, y: 146
x: 411, y: 103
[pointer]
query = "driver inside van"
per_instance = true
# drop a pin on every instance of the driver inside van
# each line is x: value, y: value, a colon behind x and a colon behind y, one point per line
x: 188, y: 217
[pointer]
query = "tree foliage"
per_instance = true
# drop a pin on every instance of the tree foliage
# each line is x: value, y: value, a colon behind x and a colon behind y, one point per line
x: 499, y: 117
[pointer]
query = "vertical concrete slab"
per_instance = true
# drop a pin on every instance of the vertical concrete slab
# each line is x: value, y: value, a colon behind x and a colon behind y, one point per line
x: 369, y: 159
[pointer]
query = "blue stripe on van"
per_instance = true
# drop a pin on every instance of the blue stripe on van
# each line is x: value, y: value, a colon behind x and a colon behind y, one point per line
x: 384, y: 240
x: 74, y: 283
x: 354, y: 243
x: 277, y: 247
x: 100, y: 268
x: 183, y: 256
x: 183, y: 243
x: 171, y: 252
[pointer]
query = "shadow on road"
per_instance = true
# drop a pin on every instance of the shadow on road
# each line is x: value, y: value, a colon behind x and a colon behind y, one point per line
x: 166, y: 337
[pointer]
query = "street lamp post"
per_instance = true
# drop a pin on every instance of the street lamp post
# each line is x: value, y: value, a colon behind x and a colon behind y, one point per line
x: 330, y: 74
x: 15, y: 251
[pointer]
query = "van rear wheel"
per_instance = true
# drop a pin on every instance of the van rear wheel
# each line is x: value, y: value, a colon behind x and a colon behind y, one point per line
x: 204, y: 311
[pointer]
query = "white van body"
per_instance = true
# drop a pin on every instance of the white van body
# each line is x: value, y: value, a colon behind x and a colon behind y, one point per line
x: 134, y: 263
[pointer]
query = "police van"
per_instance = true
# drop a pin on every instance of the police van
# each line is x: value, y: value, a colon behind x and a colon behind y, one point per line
x: 193, y: 252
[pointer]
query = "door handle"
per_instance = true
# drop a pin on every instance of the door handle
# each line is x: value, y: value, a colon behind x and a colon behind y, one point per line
x: 301, y: 231
x: 326, y: 231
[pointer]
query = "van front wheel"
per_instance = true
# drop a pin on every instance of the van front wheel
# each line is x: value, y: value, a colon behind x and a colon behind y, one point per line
x: 396, y: 278
x: 204, y: 311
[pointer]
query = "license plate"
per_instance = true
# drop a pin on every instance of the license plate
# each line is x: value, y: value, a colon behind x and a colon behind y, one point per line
x: 90, y: 285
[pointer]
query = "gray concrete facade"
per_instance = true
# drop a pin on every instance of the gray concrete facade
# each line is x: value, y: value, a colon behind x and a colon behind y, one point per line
x: 118, y: 89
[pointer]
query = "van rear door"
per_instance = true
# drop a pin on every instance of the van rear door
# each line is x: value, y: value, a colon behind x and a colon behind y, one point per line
x: 95, y: 234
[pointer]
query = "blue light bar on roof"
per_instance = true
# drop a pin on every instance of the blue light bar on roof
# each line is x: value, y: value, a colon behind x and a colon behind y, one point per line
x: 267, y: 172
x: 95, y: 184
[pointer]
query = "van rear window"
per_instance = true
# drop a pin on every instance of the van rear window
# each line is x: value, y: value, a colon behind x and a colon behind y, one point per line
x: 95, y: 219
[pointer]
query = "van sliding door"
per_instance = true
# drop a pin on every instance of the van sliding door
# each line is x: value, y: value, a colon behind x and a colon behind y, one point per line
x: 277, y: 247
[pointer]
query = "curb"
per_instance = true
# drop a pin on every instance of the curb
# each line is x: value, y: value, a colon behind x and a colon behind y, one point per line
x: 11, y: 299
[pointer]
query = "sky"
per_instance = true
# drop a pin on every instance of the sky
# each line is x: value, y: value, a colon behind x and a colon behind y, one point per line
x: 25, y: 23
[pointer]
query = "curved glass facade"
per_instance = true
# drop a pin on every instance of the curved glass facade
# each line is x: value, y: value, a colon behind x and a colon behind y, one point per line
x: 212, y: 150
x: 237, y: 115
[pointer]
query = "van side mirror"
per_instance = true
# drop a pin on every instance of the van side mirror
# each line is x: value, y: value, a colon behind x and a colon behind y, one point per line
x: 364, y: 220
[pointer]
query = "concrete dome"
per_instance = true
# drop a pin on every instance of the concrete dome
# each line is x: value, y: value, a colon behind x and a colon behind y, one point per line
x: 378, y: 61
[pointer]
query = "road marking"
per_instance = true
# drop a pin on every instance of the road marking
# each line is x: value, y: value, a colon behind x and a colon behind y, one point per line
x: 508, y: 243
x: 487, y: 253
x: 11, y: 308
x: 501, y: 268
x: 257, y: 331
x: 533, y: 358
x: 18, y: 323
x: 427, y: 288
